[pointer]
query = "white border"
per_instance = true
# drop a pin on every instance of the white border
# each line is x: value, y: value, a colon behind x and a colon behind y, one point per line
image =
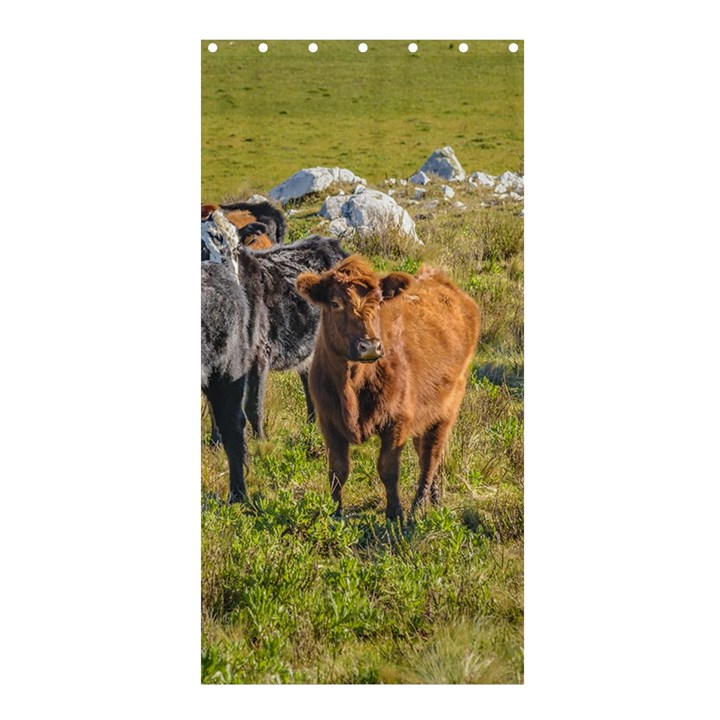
x: 101, y: 528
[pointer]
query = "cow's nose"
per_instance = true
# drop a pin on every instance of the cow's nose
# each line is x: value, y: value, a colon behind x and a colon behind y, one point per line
x: 370, y: 348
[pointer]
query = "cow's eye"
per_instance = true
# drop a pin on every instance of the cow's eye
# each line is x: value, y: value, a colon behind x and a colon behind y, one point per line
x: 336, y: 305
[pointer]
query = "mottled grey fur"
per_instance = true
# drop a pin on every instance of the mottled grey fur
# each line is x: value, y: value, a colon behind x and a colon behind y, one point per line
x: 219, y: 239
x: 251, y: 324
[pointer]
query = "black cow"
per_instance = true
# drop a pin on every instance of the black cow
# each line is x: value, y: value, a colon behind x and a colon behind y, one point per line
x: 254, y: 322
x: 219, y: 238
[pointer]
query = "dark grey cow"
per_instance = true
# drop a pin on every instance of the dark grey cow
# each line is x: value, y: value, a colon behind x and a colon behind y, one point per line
x: 219, y: 239
x: 253, y: 322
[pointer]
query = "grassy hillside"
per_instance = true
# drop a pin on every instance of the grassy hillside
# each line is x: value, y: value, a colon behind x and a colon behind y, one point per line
x: 289, y: 594
x: 380, y: 113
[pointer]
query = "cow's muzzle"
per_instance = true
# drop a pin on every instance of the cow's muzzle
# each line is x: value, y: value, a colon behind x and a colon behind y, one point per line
x: 370, y: 350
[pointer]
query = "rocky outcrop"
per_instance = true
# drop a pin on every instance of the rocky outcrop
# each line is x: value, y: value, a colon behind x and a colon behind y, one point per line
x: 510, y: 181
x: 419, y: 178
x: 311, y: 180
x: 444, y: 164
x: 481, y: 179
x: 367, y: 212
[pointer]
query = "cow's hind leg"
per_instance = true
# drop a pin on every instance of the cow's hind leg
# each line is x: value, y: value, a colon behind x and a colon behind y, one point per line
x: 429, y: 448
x: 227, y: 408
x: 388, y: 466
x: 215, y: 437
x: 255, y: 398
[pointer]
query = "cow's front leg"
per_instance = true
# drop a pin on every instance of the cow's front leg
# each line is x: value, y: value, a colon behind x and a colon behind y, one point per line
x: 339, y: 461
x: 226, y: 402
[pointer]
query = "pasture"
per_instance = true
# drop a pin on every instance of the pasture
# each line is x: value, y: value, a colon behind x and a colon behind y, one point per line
x: 289, y: 594
x: 380, y: 113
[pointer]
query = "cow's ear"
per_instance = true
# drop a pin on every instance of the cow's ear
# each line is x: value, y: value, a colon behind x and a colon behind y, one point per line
x: 207, y: 210
x: 314, y: 288
x: 394, y: 284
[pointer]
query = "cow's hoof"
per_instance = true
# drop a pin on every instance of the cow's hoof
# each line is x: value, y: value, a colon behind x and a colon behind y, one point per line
x: 394, y: 516
x: 420, y: 503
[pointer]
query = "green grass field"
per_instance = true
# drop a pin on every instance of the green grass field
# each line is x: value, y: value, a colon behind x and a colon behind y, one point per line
x: 380, y: 114
x: 290, y: 595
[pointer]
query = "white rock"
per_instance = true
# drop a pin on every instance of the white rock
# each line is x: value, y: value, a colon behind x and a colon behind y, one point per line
x: 338, y: 227
x: 391, y: 191
x: 501, y: 188
x: 481, y: 178
x: 444, y: 163
x: 419, y: 193
x: 512, y: 180
x: 390, y: 181
x: 332, y: 207
x: 310, y: 180
x: 257, y: 198
x: 432, y: 204
x: 350, y: 177
x: 459, y: 204
x: 367, y: 212
x: 514, y: 196
x: 359, y: 189
x: 419, y: 178
x: 402, y: 181
x: 447, y: 191
x: 375, y: 210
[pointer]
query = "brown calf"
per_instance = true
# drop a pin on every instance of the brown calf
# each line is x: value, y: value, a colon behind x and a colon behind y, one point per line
x: 252, y: 234
x: 391, y: 359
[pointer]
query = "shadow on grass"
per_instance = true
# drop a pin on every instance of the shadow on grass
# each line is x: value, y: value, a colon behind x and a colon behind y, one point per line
x: 511, y: 374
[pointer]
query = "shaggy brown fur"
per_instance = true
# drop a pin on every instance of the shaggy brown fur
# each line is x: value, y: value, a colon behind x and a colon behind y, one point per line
x: 391, y: 359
